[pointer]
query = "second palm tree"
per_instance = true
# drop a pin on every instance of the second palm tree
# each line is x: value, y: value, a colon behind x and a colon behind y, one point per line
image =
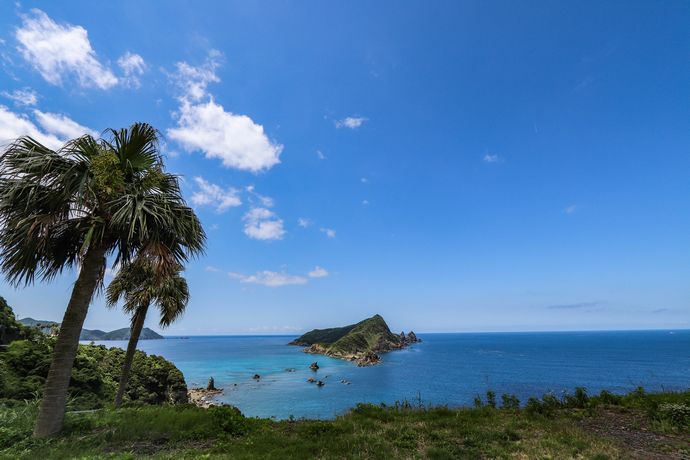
x: 140, y: 284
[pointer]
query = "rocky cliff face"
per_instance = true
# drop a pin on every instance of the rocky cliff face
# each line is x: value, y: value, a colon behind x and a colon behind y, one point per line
x: 361, y: 342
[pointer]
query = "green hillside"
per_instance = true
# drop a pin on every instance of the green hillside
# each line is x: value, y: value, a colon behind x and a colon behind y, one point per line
x: 92, y: 334
x: 25, y: 356
x: 10, y: 328
x: 119, y: 334
x: 359, y: 342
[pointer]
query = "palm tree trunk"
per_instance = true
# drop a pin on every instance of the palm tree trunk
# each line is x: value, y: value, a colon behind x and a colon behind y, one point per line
x: 137, y: 326
x: 52, y: 412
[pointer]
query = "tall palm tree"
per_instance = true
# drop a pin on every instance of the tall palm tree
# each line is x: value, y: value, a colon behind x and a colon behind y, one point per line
x: 73, y: 207
x: 139, y: 286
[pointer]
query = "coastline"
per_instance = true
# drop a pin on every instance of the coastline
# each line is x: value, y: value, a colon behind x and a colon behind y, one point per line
x: 203, y: 397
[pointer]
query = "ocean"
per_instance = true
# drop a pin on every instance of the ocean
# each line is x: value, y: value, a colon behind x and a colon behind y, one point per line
x: 445, y: 369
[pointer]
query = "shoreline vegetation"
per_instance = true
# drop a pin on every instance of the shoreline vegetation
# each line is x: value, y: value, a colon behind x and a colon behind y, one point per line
x: 638, y: 425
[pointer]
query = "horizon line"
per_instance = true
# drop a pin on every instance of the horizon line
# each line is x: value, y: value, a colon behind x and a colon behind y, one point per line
x: 550, y: 331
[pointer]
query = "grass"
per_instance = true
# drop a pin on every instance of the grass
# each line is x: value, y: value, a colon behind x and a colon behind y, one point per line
x: 555, y: 428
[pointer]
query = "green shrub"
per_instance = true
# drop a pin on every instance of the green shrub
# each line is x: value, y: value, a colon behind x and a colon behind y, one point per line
x: 606, y: 397
x: 477, y: 401
x: 229, y: 419
x: 676, y: 413
x: 578, y: 400
x: 491, y: 399
x: 510, y: 402
x: 533, y: 406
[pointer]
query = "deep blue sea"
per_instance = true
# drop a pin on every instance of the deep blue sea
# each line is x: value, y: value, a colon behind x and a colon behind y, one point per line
x: 444, y: 369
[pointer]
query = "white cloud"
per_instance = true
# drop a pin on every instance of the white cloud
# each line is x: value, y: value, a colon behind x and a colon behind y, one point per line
x: 492, y: 158
x: 204, y: 125
x: 270, y: 279
x: 58, y: 51
x: 22, y: 97
x: 234, y: 139
x: 265, y: 201
x: 211, y: 269
x: 263, y: 224
x: 272, y: 329
x: 214, y: 195
x: 61, y: 125
x: 304, y: 222
x: 193, y: 81
x: 13, y: 125
x: 350, y: 122
x: 320, y: 155
x: 133, y: 66
x: 570, y: 209
x: 329, y: 232
x: 277, y: 279
x: 318, y: 272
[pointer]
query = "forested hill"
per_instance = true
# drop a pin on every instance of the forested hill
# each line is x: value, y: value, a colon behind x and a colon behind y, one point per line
x: 92, y: 334
x: 360, y: 342
x: 25, y: 357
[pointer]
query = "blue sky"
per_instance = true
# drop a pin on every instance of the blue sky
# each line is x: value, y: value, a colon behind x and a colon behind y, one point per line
x: 454, y: 166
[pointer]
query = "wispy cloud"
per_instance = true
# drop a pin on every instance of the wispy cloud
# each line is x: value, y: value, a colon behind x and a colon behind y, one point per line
x: 263, y: 224
x: 350, y: 122
x: 570, y: 209
x: 265, y: 201
x: 204, y: 125
x: 61, y: 125
x: 277, y: 279
x: 574, y: 306
x: 61, y: 51
x: 22, y: 97
x: 328, y: 231
x: 133, y: 67
x: 272, y: 329
x: 320, y: 155
x: 270, y: 279
x: 318, y: 272
x: 209, y: 194
x: 492, y: 158
x: 304, y: 222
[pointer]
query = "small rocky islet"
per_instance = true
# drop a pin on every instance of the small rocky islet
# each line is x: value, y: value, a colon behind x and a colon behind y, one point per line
x: 361, y: 342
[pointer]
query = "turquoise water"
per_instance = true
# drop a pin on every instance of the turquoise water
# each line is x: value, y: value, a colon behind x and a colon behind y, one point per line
x: 444, y: 369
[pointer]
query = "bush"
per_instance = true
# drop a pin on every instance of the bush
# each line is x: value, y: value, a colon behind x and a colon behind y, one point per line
x: 676, y: 413
x: 491, y: 399
x: 533, y: 406
x: 578, y: 400
x: 477, y: 401
x: 547, y: 406
x: 606, y: 397
x: 510, y: 402
x: 229, y: 419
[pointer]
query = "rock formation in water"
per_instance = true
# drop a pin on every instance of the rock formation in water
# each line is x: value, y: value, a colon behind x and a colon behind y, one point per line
x: 361, y: 342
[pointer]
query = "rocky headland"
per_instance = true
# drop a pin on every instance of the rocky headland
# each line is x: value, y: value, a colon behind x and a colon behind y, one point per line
x: 361, y: 342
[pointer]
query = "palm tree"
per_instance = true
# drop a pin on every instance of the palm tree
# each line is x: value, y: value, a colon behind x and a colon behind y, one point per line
x: 139, y: 285
x: 73, y: 207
